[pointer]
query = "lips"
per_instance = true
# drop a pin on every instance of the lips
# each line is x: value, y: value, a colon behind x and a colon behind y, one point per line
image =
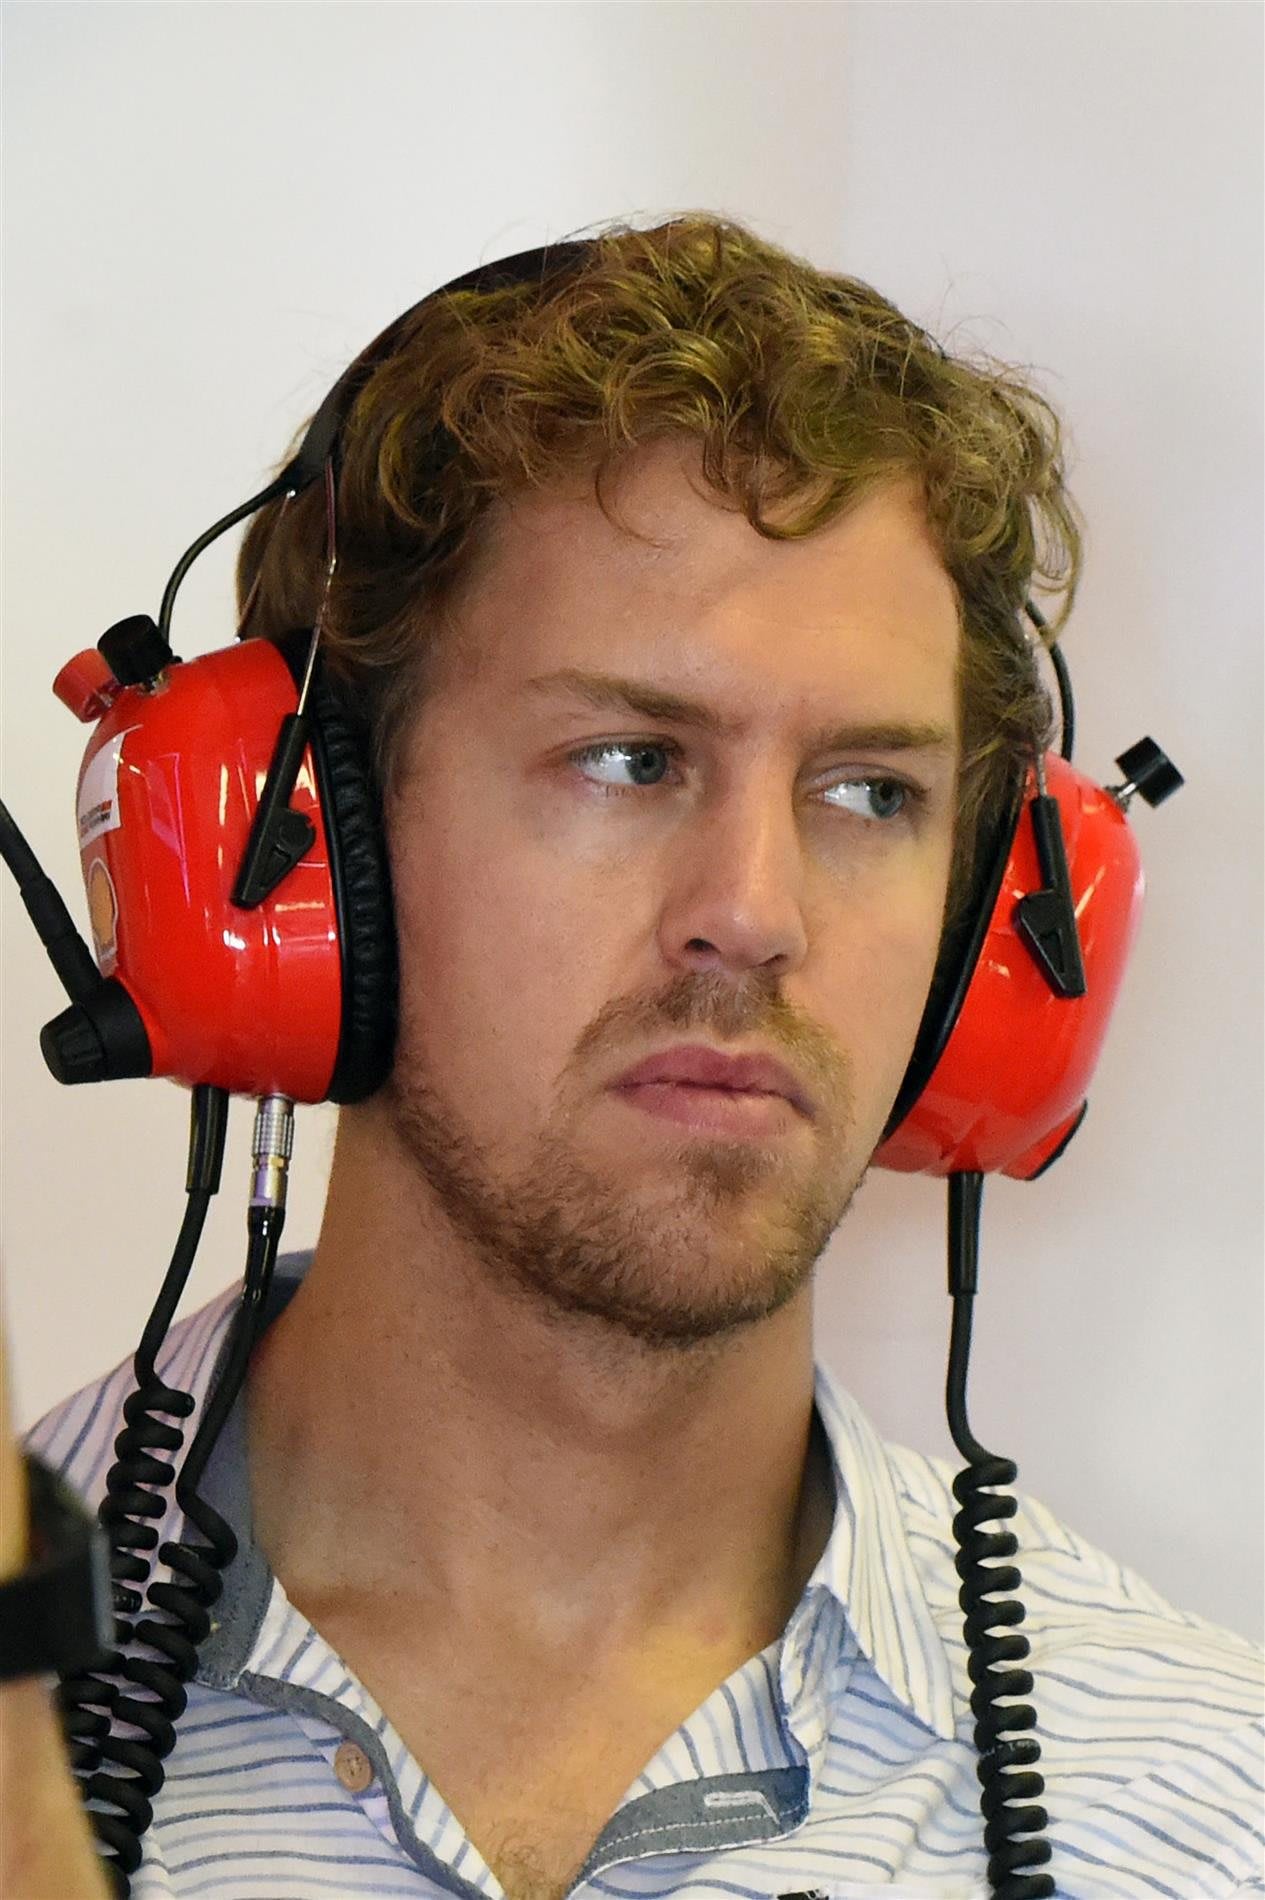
x: 697, y: 1066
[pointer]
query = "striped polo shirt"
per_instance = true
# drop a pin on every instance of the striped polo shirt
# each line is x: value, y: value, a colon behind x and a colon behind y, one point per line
x: 838, y: 1762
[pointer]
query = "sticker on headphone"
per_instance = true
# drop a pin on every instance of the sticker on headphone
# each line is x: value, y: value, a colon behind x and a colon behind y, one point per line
x: 98, y: 809
x: 103, y: 914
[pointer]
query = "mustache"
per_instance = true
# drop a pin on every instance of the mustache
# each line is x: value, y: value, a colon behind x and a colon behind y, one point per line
x: 707, y: 1000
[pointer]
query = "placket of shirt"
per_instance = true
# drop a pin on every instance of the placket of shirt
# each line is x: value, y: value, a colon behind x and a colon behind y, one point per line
x: 292, y: 1666
x: 734, y: 1774
x: 740, y: 1772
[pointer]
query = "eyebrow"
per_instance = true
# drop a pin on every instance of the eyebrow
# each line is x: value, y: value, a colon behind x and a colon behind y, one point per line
x: 608, y: 693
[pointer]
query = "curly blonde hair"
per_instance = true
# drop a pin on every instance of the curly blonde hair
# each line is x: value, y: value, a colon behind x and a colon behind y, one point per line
x: 803, y: 390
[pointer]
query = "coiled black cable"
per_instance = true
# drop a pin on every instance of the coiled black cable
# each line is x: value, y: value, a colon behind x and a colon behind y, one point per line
x: 1007, y: 1753
x: 167, y: 1642
x: 94, y: 1702
x: 172, y: 1637
x: 138, y: 1685
x: 185, y: 1604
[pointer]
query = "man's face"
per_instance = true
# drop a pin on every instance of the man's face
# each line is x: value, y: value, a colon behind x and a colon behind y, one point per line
x: 691, y: 794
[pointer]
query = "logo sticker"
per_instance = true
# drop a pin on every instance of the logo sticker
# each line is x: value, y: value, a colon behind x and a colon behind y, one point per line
x: 103, y: 913
x: 99, y: 790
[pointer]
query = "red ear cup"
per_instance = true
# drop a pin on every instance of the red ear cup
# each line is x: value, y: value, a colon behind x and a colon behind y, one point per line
x: 249, y: 1000
x: 1009, y: 1089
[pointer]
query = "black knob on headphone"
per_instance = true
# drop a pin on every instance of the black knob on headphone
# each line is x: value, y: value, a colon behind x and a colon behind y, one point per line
x: 1149, y: 772
x: 98, y: 1039
x: 135, y: 650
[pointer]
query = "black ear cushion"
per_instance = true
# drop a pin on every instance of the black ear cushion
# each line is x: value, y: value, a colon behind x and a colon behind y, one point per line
x: 956, y: 964
x: 360, y: 869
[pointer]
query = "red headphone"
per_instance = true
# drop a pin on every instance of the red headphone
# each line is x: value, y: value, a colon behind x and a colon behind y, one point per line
x: 239, y: 892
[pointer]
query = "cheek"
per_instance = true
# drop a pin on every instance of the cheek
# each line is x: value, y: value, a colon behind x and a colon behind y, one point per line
x: 876, y: 971
x: 503, y: 962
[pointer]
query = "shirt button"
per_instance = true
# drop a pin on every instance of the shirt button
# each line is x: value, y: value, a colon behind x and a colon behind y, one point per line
x: 353, y: 1767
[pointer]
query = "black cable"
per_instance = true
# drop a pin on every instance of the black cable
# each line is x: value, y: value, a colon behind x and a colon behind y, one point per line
x: 272, y: 492
x: 1006, y: 1753
x: 1067, y: 706
x: 1067, y: 711
x: 264, y: 1230
x: 96, y: 1699
x: 179, y: 1618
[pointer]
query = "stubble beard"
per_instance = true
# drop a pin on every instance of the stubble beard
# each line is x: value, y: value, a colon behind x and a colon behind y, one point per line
x: 674, y: 1262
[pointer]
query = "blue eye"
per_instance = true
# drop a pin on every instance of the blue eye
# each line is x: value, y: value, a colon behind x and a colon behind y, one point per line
x: 874, y: 798
x: 646, y: 763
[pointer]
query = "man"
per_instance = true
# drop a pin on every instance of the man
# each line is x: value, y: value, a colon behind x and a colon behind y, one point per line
x: 681, y: 593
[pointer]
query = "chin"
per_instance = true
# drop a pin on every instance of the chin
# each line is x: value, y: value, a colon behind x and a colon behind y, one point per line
x: 628, y: 1240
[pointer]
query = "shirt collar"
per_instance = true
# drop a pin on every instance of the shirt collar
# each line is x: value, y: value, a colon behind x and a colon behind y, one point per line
x: 867, y: 1567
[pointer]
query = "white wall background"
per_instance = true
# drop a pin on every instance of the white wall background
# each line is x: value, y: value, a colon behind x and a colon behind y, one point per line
x: 211, y: 207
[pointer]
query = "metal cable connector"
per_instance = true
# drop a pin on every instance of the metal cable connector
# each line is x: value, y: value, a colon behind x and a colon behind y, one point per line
x: 271, y: 1146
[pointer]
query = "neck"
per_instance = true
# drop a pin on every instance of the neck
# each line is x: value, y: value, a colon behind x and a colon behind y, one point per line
x: 421, y: 1430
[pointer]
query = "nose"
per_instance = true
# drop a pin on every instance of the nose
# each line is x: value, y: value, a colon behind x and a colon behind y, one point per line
x: 735, y: 887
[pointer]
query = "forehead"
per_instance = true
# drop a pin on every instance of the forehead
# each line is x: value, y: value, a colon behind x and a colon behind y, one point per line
x: 680, y: 590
